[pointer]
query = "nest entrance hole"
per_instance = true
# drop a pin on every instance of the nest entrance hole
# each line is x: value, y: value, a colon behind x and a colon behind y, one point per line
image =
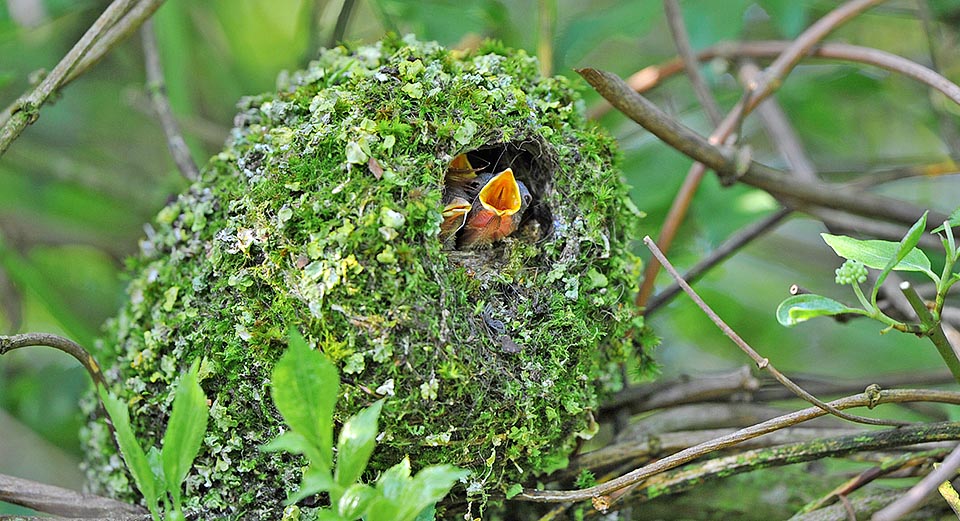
x: 534, y: 163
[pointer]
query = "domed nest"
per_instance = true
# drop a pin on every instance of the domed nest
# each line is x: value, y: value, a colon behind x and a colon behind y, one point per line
x: 324, y: 214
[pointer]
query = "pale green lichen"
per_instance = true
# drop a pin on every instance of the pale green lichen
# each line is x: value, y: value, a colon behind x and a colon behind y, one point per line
x: 323, y: 214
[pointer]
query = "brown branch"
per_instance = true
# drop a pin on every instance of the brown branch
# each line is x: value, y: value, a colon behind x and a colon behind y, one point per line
x: 9, y: 343
x: 651, y: 76
x: 684, y: 479
x: 723, y: 252
x: 340, y: 28
x: 682, y: 41
x: 687, y: 455
x: 64, y: 502
x: 26, y: 109
x: 684, y: 390
x: 120, y: 31
x: 762, y: 363
x: 771, y: 79
x: 912, y: 499
x: 158, y: 94
x: 685, y: 140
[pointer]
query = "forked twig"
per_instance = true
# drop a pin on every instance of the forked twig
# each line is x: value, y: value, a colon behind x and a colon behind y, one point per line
x: 675, y: 460
x: 762, y: 363
x: 926, y: 486
x: 769, y: 82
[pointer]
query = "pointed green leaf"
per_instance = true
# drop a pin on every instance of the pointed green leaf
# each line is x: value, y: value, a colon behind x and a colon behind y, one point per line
x: 906, y: 247
x: 800, y: 308
x: 355, y: 500
x: 185, y: 430
x: 393, y: 482
x: 431, y: 485
x: 132, y: 452
x: 876, y: 254
x: 358, y: 437
x: 304, y: 388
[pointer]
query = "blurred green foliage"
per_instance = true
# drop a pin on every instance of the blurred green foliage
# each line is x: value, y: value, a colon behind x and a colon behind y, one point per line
x: 77, y: 187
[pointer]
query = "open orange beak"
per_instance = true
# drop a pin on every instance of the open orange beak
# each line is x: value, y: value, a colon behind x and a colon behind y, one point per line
x: 496, y: 212
x: 501, y: 195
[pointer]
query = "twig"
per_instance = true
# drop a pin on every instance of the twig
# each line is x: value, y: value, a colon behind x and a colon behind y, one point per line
x: 910, y: 460
x: 661, y: 395
x: 723, y: 252
x: 685, y: 140
x: 748, y: 461
x: 926, y: 486
x: 645, y: 448
x: 158, y: 94
x: 120, y: 31
x: 948, y: 129
x: 340, y: 29
x: 9, y: 343
x: 769, y: 81
x: 650, y: 77
x: 687, y: 455
x: 26, y: 109
x: 62, y: 501
x: 682, y: 40
x: 762, y: 363
x: 546, y: 24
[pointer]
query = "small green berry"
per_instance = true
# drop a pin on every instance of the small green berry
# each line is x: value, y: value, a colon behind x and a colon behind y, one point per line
x: 851, y: 272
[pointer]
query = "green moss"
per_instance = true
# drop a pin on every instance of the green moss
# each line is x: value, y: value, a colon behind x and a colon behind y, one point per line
x: 323, y: 213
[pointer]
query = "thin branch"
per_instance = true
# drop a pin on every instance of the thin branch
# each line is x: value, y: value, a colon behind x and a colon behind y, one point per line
x: 685, y: 140
x: 650, y: 77
x: 901, y: 464
x: 684, y: 390
x: 546, y: 25
x: 26, y: 109
x: 768, y: 83
x: 119, y: 32
x: 684, y: 479
x: 762, y: 363
x: 682, y: 41
x: 723, y: 442
x: 9, y: 343
x: 340, y: 29
x: 158, y: 94
x: 912, y: 499
x: 723, y: 252
x: 62, y: 501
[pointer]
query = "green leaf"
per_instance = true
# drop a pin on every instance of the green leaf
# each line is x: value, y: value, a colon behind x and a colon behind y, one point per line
x: 132, y: 452
x: 184, y: 435
x: 906, y: 247
x: 354, y: 500
x: 876, y: 254
x: 800, y: 308
x: 431, y: 485
x: 304, y: 388
x: 402, y: 498
x: 358, y: 437
x: 427, y: 514
x: 315, y: 480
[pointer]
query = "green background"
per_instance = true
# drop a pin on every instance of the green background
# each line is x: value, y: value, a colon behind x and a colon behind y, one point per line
x: 77, y: 187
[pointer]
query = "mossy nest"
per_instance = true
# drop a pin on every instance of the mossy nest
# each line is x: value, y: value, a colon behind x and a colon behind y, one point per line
x: 323, y: 214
